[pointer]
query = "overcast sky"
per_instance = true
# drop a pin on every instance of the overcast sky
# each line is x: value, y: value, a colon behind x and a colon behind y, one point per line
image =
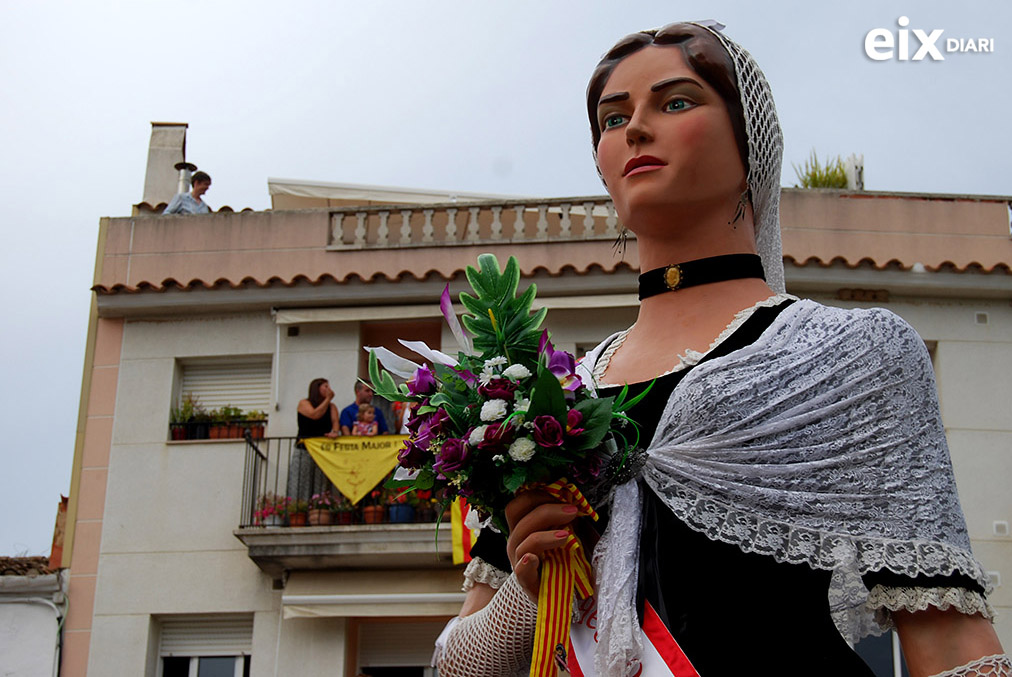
x: 469, y: 96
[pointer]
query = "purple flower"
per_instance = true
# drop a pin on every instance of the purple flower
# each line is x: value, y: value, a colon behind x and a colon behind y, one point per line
x: 451, y: 457
x: 412, y: 456
x: 573, y: 419
x: 498, y: 389
x: 587, y: 470
x: 423, y: 382
x: 560, y: 363
x: 547, y: 431
x: 498, y: 436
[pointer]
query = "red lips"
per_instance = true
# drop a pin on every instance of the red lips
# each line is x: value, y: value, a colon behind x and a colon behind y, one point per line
x: 642, y: 161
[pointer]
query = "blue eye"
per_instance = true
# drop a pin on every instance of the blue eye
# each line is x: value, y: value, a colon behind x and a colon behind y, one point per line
x: 613, y: 121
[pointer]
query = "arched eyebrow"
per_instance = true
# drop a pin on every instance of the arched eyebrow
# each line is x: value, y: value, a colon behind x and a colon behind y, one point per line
x: 617, y: 96
x: 656, y: 87
x: 664, y: 84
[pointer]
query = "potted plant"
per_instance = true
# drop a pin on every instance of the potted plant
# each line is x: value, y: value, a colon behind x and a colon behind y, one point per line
x: 320, y: 506
x: 373, y: 512
x: 343, y: 510
x: 255, y: 423
x: 298, y: 512
x: 218, y: 427
x: 177, y: 424
x: 183, y: 417
x: 231, y: 420
x: 401, y: 510
x: 425, y: 505
x: 271, y: 510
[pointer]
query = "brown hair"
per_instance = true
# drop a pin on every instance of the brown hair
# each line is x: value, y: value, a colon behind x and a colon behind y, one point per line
x: 364, y: 409
x: 702, y: 51
x: 200, y: 176
x: 314, y: 391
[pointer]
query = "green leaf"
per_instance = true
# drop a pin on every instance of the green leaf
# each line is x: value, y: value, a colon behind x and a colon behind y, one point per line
x: 547, y: 398
x: 425, y: 480
x: 597, y: 416
x: 515, y: 479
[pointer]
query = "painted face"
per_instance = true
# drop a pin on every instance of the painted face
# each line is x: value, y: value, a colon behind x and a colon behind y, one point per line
x: 666, y: 137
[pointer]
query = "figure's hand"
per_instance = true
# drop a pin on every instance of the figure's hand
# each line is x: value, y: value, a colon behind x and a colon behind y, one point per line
x: 332, y: 434
x: 537, y: 522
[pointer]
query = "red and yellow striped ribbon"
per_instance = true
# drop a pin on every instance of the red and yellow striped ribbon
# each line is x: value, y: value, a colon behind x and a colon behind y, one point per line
x: 563, y: 570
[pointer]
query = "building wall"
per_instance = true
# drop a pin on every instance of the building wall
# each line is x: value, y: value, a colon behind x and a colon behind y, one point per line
x: 166, y: 510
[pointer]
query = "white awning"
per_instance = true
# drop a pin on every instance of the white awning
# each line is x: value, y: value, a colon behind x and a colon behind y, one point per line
x: 373, y: 593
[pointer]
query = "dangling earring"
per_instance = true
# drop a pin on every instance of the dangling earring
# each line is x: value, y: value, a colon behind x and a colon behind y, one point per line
x: 739, y: 212
x: 621, y: 241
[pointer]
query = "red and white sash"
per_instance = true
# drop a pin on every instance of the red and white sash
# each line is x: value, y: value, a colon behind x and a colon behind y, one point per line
x: 662, y: 657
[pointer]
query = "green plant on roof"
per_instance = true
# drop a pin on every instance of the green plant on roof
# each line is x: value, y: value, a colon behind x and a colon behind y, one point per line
x: 814, y: 174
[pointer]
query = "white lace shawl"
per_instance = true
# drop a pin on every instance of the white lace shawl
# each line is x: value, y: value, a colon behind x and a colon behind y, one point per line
x: 819, y: 443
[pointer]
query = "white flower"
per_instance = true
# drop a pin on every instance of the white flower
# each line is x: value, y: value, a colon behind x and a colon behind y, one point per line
x: 485, y: 376
x: 522, y: 403
x: 498, y: 458
x: 477, y: 435
x: 522, y: 449
x: 516, y: 372
x: 495, y: 362
x: 493, y: 410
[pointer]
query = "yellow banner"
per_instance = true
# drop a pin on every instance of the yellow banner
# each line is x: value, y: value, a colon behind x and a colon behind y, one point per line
x: 355, y: 464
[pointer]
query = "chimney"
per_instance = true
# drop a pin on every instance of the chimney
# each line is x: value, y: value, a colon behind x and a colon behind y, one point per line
x: 853, y: 167
x: 166, y: 149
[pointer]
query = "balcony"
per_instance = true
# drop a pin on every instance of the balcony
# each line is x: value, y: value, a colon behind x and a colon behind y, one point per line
x: 279, y: 479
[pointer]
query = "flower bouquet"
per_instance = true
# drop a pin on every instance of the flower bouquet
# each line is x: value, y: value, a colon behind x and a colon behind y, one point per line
x: 508, y: 413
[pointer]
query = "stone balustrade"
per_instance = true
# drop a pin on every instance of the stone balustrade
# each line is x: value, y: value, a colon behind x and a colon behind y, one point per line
x: 469, y: 223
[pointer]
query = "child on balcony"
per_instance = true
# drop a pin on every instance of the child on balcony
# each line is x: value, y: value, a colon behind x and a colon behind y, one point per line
x: 366, y: 424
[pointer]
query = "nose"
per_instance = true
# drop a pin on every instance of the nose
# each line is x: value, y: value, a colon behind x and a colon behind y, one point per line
x: 637, y: 130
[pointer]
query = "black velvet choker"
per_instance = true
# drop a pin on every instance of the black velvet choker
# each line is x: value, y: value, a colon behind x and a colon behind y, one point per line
x: 700, y: 271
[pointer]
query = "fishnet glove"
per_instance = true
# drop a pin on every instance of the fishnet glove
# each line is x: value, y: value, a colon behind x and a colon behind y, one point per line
x: 496, y: 641
x: 989, y: 666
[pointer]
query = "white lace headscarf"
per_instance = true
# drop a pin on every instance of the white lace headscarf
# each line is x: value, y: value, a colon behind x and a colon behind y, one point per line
x: 765, y: 154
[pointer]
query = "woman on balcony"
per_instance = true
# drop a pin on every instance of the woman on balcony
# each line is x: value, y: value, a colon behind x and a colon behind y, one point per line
x: 797, y: 485
x: 317, y: 417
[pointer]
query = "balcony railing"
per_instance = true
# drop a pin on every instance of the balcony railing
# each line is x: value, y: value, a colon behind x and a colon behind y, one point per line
x: 276, y: 467
x: 279, y: 475
x: 452, y: 223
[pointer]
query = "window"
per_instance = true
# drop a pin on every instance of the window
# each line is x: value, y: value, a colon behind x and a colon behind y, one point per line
x: 235, y: 382
x: 205, y: 646
x: 221, y: 398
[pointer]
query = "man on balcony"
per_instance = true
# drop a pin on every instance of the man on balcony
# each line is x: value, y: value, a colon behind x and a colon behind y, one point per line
x: 363, y: 395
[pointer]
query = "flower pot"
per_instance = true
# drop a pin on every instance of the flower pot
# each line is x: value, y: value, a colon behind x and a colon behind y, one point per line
x: 274, y: 521
x: 297, y: 519
x: 319, y: 517
x: 234, y: 431
x: 372, y: 514
x: 401, y: 513
x: 217, y: 431
x: 256, y: 432
x: 347, y: 517
x: 178, y: 431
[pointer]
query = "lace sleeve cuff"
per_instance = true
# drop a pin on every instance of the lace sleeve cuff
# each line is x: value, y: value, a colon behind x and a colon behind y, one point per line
x: 480, y: 571
x: 495, y: 641
x: 989, y: 666
x: 883, y: 600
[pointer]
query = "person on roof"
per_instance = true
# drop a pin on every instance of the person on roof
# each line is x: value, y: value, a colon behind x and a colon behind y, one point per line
x: 191, y: 203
